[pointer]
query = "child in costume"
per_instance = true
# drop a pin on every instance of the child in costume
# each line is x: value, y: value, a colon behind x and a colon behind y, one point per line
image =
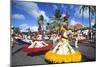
x: 38, y: 45
x: 63, y: 52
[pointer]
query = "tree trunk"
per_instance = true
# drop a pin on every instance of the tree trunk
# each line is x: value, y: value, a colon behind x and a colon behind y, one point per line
x: 82, y: 17
x: 89, y: 19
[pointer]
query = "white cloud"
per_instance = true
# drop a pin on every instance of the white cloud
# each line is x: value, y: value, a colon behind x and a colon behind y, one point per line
x: 32, y: 9
x: 18, y: 16
x: 55, y: 7
x: 73, y: 22
x: 63, y: 15
x: 86, y: 13
x: 62, y: 6
x: 34, y: 28
x: 29, y: 7
x: 12, y: 26
x: 71, y: 6
x: 77, y: 12
x: 24, y: 28
x: 92, y: 22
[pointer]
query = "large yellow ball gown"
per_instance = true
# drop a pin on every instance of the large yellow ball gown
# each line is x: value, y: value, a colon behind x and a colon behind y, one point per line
x: 63, y: 52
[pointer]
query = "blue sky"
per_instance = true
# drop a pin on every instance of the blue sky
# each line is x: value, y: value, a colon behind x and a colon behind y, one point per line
x: 24, y: 14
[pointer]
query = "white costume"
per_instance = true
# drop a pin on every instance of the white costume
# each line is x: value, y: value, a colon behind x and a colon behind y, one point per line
x: 63, y: 46
x: 63, y: 52
x: 38, y: 43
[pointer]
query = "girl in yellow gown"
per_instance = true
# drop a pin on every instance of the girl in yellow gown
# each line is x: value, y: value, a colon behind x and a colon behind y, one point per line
x: 63, y: 52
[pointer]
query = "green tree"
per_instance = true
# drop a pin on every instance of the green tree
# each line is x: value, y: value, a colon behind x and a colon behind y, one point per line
x: 16, y: 30
x: 57, y: 14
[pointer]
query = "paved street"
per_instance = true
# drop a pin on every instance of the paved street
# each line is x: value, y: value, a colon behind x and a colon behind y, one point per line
x: 19, y: 57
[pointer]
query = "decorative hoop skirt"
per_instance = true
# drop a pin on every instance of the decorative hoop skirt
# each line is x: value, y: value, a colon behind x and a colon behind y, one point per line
x: 56, y: 58
x: 34, y: 49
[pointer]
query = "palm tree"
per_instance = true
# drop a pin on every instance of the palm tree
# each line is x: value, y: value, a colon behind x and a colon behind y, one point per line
x: 66, y: 18
x: 91, y: 9
x: 82, y: 9
x: 57, y: 14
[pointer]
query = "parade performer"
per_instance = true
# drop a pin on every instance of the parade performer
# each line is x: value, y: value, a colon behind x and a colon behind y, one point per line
x: 22, y: 39
x: 80, y: 37
x: 63, y: 52
x: 38, y: 45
